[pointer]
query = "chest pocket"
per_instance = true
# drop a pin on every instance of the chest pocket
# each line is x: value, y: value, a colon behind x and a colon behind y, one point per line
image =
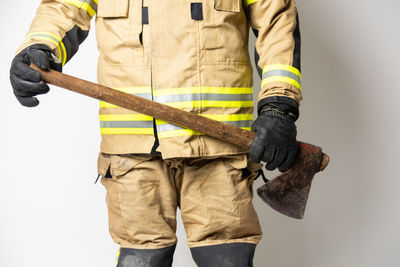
x: 118, y: 31
x: 113, y: 9
x: 225, y: 33
x: 227, y: 5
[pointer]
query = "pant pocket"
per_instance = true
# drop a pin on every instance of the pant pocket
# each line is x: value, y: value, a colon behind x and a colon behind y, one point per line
x: 112, y: 168
x: 126, y: 192
x: 103, y: 165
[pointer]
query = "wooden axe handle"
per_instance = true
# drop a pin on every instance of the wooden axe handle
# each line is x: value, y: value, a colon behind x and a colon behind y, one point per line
x: 232, y: 134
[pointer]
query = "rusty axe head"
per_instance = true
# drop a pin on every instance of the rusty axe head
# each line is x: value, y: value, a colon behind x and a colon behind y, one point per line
x: 288, y: 193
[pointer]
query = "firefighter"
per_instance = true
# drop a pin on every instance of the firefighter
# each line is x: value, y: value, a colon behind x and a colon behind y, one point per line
x: 191, y: 55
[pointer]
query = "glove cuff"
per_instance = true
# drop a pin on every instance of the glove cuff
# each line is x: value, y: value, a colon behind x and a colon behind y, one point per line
x: 281, y: 104
x: 55, y: 63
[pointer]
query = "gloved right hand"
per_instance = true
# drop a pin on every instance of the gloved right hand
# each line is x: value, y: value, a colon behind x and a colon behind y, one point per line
x: 27, y: 82
x: 275, y: 141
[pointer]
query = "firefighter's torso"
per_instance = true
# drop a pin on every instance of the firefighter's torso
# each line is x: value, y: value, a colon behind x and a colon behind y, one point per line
x: 185, y: 54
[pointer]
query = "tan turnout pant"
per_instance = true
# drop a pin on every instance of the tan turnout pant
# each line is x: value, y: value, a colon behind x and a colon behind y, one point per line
x: 213, y: 194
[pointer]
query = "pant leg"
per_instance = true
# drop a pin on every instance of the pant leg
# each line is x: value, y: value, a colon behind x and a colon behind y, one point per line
x: 141, y: 200
x: 216, y: 202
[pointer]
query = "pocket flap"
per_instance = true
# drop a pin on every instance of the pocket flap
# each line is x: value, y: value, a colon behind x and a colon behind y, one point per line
x: 227, y: 5
x: 121, y: 164
x: 112, y: 8
x: 103, y: 163
x: 236, y: 161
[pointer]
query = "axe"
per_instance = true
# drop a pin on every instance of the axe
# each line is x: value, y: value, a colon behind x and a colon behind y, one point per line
x: 287, y: 193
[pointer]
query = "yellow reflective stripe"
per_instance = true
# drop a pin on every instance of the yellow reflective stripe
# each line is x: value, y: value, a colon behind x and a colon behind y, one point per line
x: 107, y: 105
x: 184, y: 132
x: 189, y: 91
x: 220, y: 117
x: 282, y: 67
x: 249, y: 2
x: 232, y: 117
x: 53, y: 39
x: 204, y: 90
x: 135, y: 90
x: 197, y: 104
x: 281, y: 79
x: 125, y: 117
x: 149, y: 131
x: 210, y: 104
x: 83, y: 5
x: 129, y: 90
x: 176, y: 133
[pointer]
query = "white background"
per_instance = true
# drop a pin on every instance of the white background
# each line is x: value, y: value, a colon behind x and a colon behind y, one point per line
x: 51, y: 213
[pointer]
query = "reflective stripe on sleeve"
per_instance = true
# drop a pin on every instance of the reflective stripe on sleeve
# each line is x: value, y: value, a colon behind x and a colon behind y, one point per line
x: 62, y: 52
x: 281, y: 73
x: 90, y: 6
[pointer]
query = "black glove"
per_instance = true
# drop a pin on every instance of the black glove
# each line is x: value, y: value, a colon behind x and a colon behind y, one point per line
x: 275, y: 141
x: 27, y: 82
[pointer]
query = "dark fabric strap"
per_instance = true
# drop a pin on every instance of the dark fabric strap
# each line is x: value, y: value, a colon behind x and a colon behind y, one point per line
x: 73, y: 39
x: 196, y: 10
x: 145, y: 15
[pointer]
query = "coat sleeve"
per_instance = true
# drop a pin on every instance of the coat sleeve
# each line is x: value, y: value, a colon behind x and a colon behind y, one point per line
x: 276, y: 26
x: 62, y: 25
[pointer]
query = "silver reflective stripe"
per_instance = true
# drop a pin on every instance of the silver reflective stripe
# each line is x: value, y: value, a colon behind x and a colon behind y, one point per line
x: 205, y: 97
x: 144, y: 95
x: 168, y: 127
x: 172, y: 127
x: 239, y: 123
x: 126, y: 124
x: 284, y: 73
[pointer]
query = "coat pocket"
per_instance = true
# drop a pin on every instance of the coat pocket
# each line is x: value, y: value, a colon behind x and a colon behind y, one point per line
x: 112, y: 8
x: 118, y: 31
x: 227, y: 5
x: 225, y: 33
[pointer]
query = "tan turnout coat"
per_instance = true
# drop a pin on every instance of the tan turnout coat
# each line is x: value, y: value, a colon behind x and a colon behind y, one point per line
x: 188, y: 54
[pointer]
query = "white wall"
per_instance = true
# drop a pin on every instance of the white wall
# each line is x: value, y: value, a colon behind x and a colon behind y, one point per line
x: 51, y: 213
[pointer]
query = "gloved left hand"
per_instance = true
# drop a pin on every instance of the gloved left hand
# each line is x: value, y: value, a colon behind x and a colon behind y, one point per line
x: 27, y: 82
x: 275, y: 142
